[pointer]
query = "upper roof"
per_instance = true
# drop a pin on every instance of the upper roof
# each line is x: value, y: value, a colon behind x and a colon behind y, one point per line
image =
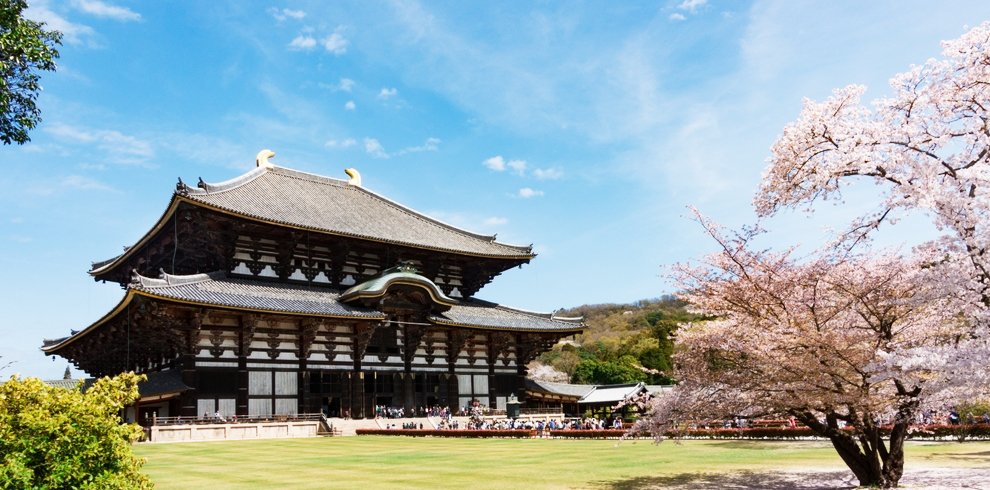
x: 285, y: 197
x: 294, y: 198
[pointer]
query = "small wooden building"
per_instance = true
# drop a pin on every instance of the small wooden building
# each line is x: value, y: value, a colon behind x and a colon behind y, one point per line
x: 283, y: 292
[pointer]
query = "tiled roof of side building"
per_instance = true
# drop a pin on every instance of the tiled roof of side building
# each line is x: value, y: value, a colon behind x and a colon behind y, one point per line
x: 564, y: 389
x: 294, y: 198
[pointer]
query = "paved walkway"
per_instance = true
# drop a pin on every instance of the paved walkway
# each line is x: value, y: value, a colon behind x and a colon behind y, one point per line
x: 917, y: 478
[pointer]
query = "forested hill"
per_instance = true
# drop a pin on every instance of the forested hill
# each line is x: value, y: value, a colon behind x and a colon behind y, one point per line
x: 622, y: 343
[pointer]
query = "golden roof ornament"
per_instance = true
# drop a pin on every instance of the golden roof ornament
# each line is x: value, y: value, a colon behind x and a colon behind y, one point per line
x: 354, y: 175
x: 262, y: 159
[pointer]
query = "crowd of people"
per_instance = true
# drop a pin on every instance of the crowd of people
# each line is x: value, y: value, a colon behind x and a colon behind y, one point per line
x: 387, y: 412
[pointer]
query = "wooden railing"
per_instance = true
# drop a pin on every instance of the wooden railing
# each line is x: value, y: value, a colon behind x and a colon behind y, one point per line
x: 239, y: 419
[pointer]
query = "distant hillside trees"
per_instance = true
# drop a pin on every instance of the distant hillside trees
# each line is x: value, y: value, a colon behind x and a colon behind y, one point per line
x: 622, y: 343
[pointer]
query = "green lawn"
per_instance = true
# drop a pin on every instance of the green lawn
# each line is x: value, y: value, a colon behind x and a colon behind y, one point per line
x: 373, y: 462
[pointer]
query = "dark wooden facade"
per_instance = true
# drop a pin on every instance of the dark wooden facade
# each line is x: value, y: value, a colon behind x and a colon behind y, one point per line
x: 276, y: 327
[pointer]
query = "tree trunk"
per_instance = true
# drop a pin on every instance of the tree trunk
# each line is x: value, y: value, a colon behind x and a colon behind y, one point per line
x: 873, y: 464
x: 893, y: 467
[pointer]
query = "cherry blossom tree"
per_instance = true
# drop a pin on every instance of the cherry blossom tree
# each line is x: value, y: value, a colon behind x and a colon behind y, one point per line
x: 927, y: 147
x: 840, y: 342
x: 849, y: 341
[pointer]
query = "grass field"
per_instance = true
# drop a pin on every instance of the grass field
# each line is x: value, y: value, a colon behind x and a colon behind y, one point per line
x: 372, y: 462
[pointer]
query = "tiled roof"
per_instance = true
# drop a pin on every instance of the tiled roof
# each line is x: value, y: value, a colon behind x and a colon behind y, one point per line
x: 478, y: 313
x: 612, y: 393
x: 564, y: 389
x: 284, y: 196
x: 158, y: 383
x: 218, y: 290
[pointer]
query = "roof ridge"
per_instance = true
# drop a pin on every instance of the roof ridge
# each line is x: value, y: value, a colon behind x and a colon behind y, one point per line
x: 205, y: 188
x: 165, y: 279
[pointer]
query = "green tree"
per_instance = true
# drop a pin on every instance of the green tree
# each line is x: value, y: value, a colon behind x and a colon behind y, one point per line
x: 54, y: 437
x: 26, y: 48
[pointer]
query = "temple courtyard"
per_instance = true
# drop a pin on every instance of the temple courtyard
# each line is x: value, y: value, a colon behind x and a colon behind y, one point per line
x: 404, y: 462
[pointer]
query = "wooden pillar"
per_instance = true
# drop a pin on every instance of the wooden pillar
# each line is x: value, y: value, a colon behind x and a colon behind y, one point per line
x: 242, y: 387
x: 188, y: 398
x: 357, y: 395
x: 408, y: 393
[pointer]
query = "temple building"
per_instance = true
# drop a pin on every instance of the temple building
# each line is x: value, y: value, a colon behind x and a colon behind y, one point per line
x: 283, y: 292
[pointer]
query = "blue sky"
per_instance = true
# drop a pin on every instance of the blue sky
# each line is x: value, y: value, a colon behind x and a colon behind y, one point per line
x: 583, y: 128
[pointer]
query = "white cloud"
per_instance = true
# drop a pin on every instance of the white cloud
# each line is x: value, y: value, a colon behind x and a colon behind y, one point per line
x: 283, y: 14
x: 304, y: 43
x: 385, y: 93
x: 345, y: 85
x: 692, y: 5
x: 495, y: 221
x: 69, y: 182
x: 553, y: 173
x: 349, y: 105
x: 527, y: 193
x: 113, y: 145
x: 496, y: 163
x: 431, y: 144
x: 677, y: 16
x: 375, y: 148
x: 71, y: 33
x: 518, y: 166
x: 83, y: 183
x: 345, y: 143
x: 335, y: 43
x: 102, y: 9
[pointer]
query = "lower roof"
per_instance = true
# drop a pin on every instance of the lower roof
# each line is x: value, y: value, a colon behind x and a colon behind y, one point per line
x: 216, y: 290
x: 159, y: 385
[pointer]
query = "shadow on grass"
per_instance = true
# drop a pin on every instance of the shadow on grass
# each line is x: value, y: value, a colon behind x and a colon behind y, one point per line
x: 740, y: 480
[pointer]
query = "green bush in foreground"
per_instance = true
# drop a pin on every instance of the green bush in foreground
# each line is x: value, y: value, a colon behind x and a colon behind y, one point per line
x: 64, y: 438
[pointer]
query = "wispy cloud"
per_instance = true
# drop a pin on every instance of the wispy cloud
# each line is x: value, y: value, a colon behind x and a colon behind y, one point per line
x: 496, y: 163
x: 527, y: 193
x: 495, y: 221
x: 106, y: 10
x: 677, y: 16
x: 114, y: 146
x: 386, y: 93
x: 303, y: 42
x: 692, y: 5
x: 285, y: 13
x: 344, y: 85
x: 552, y: 173
x: 72, y: 33
x: 344, y: 143
x: 518, y: 166
x: 69, y: 182
x: 350, y: 105
x: 335, y: 43
x: 374, y: 148
x: 499, y: 164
